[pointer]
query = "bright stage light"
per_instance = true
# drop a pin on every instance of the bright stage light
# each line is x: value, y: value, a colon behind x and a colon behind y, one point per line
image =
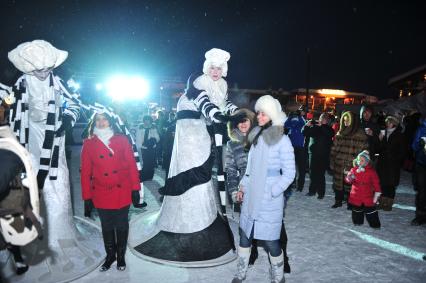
x: 127, y: 88
x: 73, y: 84
x: 99, y: 86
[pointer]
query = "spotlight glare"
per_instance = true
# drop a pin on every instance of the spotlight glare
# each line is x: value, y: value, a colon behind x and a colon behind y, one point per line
x: 99, y: 86
x: 73, y: 84
x: 127, y: 88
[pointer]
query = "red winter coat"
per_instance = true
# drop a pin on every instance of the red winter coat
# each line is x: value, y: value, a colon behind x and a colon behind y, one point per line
x: 107, y: 178
x: 364, y: 186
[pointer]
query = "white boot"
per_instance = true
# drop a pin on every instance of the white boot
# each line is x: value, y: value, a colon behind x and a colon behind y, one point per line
x: 242, y: 265
x: 277, y: 272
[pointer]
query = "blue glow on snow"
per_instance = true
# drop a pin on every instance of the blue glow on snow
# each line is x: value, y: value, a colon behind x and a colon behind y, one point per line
x: 406, y: 207
x: 390, y: 246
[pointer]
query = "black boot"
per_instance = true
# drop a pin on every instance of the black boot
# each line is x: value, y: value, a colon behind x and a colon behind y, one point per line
x: 283, y: 242
x: 337, y: 204
x: 20, y: 266
x: 338, y: 196
x: 121, y: 248
x: 110, y: 248
x: 254, y: 254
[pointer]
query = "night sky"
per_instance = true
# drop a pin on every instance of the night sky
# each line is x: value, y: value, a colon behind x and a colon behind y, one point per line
x: 354, y: 45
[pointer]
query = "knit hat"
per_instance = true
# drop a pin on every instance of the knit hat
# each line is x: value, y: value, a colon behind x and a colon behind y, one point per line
x: 393, y: 120
x: 218, y: 58
x: 366, y: 155
x: 271, y: 107
x: 35, y: 56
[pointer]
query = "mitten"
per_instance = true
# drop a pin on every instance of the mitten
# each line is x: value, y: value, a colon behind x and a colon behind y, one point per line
x: 220, y: 118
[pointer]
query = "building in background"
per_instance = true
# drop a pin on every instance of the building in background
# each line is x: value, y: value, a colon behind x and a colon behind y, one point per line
x: 409, y: 83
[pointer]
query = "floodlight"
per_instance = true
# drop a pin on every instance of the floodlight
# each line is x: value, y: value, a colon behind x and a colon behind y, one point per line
x: 127, y: 87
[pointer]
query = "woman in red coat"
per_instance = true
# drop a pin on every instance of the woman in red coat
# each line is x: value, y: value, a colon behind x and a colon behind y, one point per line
x: 365, y: 191
x: 109, y: 179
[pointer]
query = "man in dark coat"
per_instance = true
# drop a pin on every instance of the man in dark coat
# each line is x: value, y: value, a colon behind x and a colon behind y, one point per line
x: 371, y: 129
x: 419, y: 149
x: 321, y: 135
x: 392, y: 150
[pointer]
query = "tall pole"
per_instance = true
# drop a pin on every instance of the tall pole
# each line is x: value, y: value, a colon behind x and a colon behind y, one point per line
x: 308, y: 70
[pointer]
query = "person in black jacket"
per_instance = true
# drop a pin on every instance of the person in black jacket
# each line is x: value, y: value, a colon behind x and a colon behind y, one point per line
x: 320, y: 141
x: 392, y: 150
x: 371, y: 129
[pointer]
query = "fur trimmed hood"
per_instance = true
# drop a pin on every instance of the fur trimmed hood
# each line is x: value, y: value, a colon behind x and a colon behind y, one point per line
x: 271, y: 135
x: 353, y: 124
x: 240, y: 115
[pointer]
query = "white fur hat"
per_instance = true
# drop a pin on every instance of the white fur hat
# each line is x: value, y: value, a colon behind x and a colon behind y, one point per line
x: 36, y: 55
x: 271, y: 107
x: 218, y: 58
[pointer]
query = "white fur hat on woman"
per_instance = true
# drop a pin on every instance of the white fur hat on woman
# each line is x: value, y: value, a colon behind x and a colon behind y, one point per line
x: 271, y: 107
x: 36, y: 55
x: 218, y: 58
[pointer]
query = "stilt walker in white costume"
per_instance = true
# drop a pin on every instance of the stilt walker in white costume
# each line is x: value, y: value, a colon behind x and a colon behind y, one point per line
x: 190, y: 227
x: 43, y: 110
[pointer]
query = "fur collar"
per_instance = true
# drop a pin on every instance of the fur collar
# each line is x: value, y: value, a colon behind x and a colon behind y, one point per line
x: 271, y: 135
x: 235, y: 135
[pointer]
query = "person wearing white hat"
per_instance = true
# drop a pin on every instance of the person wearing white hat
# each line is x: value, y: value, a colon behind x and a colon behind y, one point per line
x: 42, y: 112
x: 270, y: 171
x: 196, y: 231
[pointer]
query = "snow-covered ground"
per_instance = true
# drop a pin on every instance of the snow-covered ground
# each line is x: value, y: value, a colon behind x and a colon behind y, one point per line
x: 323, y: 244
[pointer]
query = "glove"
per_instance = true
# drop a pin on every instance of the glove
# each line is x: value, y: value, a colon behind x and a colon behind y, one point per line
x: 88, y: 207
x: 221, y: 118
x: 238, y: 118
x: 136, y: 198
x: 66, y: 125
x: 376, y: 197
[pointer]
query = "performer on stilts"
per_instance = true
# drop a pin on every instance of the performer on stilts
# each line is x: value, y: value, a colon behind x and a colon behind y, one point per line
x: 190, y: 226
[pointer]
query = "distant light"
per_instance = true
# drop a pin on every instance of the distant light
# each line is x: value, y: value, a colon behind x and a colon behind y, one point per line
x: 73, y: 84
x: 161, y: 87
x: 332, y: 91
x: 122, y: 88
x: 99, y: 86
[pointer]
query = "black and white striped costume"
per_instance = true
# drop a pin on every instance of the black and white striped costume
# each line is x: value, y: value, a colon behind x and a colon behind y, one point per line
x: 60, y: 103
x: 71, y: 105
x: 189, y: 227
x: 210, y: 110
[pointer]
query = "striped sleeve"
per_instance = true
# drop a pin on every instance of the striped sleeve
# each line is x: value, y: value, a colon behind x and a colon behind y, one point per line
x: 207, y: 108
x: 72, y: 102
x: 4, y: 91
x: 230, y: 107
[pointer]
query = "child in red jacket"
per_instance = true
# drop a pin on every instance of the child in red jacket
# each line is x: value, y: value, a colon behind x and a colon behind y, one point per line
x: 365, y: 191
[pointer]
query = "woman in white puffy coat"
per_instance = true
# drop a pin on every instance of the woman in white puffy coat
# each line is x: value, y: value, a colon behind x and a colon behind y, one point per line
x: 270, y: 171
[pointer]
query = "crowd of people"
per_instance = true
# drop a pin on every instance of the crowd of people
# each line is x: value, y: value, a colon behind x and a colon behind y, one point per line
x: 260, y: 158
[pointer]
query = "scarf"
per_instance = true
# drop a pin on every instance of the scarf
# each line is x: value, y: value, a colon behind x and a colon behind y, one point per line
x: 104, y: 135
x: 216, y: 90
